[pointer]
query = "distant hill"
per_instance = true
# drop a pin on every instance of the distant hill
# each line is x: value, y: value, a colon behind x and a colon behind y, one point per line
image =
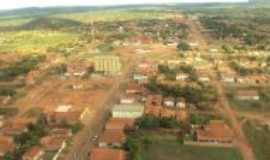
x: 49, y: 23
x: 47, y: 11
x: 36, y: 11
x: 259, y: 1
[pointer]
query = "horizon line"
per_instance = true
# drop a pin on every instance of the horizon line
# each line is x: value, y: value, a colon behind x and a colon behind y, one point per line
x: 119, y: 5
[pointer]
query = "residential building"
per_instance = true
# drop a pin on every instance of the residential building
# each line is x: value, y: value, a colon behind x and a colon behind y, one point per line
x: 182, y: 76
x: 135, y: 110
x: 107, y: 154
x: 228, y: 77
x: 108, y: 64
x: 134, y: 88
x: 139, y: 77
x: 34, y: 153
x: 6, y: 145
x: 112, y: 138
x: 53, y: 142
x: 214, y: 132
x: 12, y: 128
x: 120, y: 123
x: 248, y: 95
x: 169, y: 102
x: 180, y: 103
x: 69, y: 114
x: 153, y: 100
x: 203, y: 76
x: 127, y: 99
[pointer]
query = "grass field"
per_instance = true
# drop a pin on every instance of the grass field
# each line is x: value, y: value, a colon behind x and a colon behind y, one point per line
x: 14, y: 22
x: 165, y: 146
x: 261, y: 105
x: 115, y: 15
x: 253, y: 106
x: 33, y: 41
x: 259, y: 137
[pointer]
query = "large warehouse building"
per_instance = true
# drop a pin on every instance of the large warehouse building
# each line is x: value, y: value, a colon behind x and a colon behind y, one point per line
x: 107, y: 64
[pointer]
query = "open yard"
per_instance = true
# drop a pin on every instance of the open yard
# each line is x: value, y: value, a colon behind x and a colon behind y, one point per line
x: 115, y: 15
x: 261, y: 105
x: 158, y: 145
x: 259, y: 137
x: 33, y: 41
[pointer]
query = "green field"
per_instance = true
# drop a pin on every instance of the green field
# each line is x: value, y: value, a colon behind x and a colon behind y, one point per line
x: 33, y: 41
x: 14, y: 22
x: 253, y: 106
x: 166, y: 146
x: 261, y: 105
x: 115, y: 15
x: 259, y: 137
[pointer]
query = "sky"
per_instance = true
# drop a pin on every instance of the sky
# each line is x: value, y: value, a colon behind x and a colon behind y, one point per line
x: 10, y: 4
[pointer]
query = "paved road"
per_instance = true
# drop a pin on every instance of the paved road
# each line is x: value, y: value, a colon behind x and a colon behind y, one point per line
x: 82, y: 141
x: 226, y: 109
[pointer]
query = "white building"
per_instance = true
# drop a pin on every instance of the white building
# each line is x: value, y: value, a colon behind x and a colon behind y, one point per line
x: 128, y: 110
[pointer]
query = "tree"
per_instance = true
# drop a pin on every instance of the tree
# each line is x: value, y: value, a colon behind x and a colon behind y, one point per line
x: 8, y: 156
x: 183, y: 46
x: 227, y: 49
x: 148, y: 122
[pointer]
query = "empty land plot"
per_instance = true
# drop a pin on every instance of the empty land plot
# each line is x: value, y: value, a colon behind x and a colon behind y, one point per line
x: 249, y: 105
x: 116, y: 15
x: 259, y: 137
x: 33, y: 41
x: 160, y: 146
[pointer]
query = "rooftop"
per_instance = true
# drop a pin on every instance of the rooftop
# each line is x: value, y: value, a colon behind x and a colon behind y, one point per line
x: 249, y: 93
x: 107, y: 154
x: 32, y: 152
x: 128, y: 108
x: 214, y: 130
x: 120, y: 123
x: 6, y: 144
x: 113, y: 136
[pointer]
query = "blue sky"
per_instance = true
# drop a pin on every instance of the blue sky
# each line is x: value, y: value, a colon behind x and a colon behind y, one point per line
x: 8, y: 4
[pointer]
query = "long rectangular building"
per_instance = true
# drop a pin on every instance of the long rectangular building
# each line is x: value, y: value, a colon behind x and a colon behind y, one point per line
x: 127, y: 111
x: 108, y: 64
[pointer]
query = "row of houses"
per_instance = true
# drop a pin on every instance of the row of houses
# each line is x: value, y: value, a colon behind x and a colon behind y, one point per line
x: 123, y: 116
x: 54, y: 142
x: 166, y: 107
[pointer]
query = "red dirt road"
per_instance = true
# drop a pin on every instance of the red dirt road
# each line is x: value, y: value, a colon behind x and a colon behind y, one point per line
x: 240, y: 138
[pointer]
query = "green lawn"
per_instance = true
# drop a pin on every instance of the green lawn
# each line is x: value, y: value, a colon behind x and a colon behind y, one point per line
x: 259, y: 137
x: 166, y: 146
x: 172, y: 150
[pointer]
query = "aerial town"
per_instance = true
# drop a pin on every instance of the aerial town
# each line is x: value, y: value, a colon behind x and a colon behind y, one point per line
x: 176, y: 82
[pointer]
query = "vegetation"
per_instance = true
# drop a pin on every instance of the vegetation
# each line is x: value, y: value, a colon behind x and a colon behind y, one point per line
x: 162, y: 145
x: 8, y: 111
x: 192, y: 94
x: 244, y: 71
x: 259, y: 137
x: 18, y: 68
x: 245, y: 27
x: 33, y: 41
x: 28, y: 139
x: 183, y: 46
x: 151, y: 122
x: 261, y: 105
